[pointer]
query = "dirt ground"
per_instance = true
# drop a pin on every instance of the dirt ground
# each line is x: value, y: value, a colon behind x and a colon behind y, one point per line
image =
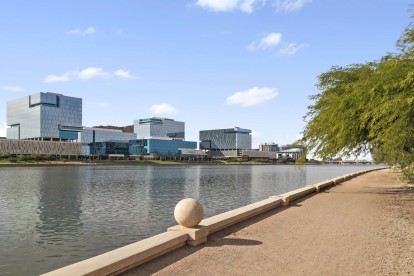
x: 365, y: 226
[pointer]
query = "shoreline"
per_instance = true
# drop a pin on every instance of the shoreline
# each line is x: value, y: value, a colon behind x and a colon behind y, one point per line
x: 158, y: 163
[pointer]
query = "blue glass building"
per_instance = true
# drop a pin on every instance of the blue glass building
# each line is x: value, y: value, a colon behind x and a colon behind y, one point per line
x: 89, y: 138
x: 159, y: 146
x: 112, y: 147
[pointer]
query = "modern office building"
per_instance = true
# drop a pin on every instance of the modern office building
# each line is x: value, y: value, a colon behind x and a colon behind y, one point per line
x: 45, y: 117
x: 228, y: 139
x: 159, y: 146
x: 272, y: 147
x: 90, y: 137
x: 159, y: 127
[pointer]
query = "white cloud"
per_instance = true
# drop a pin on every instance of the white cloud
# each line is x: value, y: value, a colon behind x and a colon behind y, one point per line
x: 247, y: 6
x: 87, y: 31
x: 291, y: 48
x: 273, y: 42
x: 88, y: 74
x: 12, y: 88
x: 92, y: 72
x: 54, y: 78
x: 290, y: 5
x: 123, y: 74
x: 252, y: 97
x: 163, y: 109
x: 268, y: 41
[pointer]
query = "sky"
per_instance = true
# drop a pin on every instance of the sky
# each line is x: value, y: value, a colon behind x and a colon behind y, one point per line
x: 210, y: 63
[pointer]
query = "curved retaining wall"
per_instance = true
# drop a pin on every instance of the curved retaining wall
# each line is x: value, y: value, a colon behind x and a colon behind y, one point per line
x: 127, y: 257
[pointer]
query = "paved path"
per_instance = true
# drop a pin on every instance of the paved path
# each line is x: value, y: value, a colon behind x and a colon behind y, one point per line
x: 364, y: 226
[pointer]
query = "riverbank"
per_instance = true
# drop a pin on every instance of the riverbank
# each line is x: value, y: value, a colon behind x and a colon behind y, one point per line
x: 94, y: 163
x: 140, y: 163
x: 364, y: 226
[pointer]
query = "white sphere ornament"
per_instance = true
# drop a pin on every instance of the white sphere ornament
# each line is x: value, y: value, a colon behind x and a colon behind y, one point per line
x: 188, y: 212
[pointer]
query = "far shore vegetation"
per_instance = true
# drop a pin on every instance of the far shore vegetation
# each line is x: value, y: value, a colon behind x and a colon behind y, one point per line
x: 367, y: 108
x: 44, y: 160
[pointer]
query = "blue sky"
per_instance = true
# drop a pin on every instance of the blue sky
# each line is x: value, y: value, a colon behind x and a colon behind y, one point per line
x: 209, y: 63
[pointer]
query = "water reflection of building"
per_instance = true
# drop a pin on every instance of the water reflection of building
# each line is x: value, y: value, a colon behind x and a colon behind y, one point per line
x: 165, y: 188
x: 192, y: 176
x: 275, y: 180
x: 222, y: 189
x: 60, y: 203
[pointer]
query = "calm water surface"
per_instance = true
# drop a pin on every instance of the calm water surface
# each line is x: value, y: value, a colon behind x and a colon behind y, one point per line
x: 54, y: 216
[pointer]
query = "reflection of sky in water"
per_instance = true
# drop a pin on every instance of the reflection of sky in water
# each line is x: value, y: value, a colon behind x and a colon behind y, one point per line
x: 54, y: 216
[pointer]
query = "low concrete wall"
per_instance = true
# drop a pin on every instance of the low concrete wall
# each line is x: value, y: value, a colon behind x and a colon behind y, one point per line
x: 127, y: 257
x: 226, y: 219
x: 298, y: 193
x: 124, y: 258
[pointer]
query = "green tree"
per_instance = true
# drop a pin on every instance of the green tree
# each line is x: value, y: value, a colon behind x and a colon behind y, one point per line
x: 36, y: 157
x: 22, y: 158
x: 12, y: 159
x: 366, y: 108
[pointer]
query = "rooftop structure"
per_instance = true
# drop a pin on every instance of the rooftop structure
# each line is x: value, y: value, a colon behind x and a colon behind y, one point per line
x: 159, y: 127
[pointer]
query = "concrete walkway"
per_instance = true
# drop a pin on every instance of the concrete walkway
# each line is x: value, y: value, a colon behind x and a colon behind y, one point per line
x: 364, y: 226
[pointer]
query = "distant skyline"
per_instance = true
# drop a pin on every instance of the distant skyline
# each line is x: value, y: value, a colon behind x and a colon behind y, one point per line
x: 210, y: 63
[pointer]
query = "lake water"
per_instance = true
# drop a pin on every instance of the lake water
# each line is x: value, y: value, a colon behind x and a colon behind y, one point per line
x: 54, y: 216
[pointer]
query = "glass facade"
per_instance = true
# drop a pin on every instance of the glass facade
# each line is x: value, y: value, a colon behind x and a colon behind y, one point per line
x: 164, y: 147
x: 44, y: 116
x: 89, y: 137
x: 113, y: 147
x: 159, y: 127
x: 226, y: 139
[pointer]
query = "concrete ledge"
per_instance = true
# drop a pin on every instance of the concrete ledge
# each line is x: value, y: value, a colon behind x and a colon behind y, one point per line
x: 323, y: 185
x: 223, y: 220
x: 196, y: 235
x: 125, y: 258
x: 295, y: 194
x: 338, y: 180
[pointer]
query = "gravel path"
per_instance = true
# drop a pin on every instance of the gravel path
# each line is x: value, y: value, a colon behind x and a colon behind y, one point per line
x: 364, y: 226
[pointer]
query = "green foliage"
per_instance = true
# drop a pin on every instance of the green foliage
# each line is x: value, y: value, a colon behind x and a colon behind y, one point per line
x: 22, y: 158
x: 36, y: 157
x: 366, y: 108
x: 12, y: 159
x: 5, y: 156
x: 47, y: 157
x: 408, y: 174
